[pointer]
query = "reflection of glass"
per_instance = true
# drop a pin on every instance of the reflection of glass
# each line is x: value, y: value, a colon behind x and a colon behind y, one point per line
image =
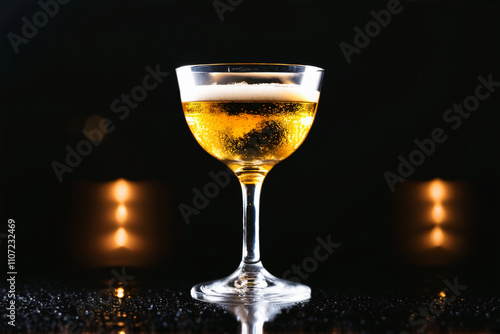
x: 250, y: 116
x: 253, y: 316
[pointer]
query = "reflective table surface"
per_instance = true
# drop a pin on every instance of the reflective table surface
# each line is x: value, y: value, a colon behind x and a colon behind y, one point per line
x: 49, y: 306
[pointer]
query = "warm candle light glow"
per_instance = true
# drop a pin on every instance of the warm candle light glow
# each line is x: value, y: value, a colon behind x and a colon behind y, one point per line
x: 121, y: 213
x: 121, y: 190
x: 432, y: 225
x: 437, y: 191
x: 437, y: 236
x: 122, y: 223
x: 121, y: 237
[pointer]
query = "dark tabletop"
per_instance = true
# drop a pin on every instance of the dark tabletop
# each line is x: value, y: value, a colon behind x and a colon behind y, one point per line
x: 49, y: 306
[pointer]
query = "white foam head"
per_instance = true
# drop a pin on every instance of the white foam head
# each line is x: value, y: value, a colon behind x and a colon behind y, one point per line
x: 246, y: 92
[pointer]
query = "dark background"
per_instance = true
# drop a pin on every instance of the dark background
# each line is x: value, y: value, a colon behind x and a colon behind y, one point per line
x: 371, y: 110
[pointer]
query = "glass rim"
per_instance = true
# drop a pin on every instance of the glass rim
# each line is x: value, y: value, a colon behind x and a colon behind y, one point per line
x: 306, y: 67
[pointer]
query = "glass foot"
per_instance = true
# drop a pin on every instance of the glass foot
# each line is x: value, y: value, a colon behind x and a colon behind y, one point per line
x: 251, y: 283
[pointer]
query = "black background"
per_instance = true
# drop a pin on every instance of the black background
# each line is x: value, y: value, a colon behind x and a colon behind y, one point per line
x: 371, y: 110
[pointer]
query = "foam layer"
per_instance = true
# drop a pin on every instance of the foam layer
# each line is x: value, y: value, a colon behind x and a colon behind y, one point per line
x: 246, y: 92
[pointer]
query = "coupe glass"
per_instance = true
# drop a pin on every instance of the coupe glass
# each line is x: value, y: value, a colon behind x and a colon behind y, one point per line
x: 250, y: 116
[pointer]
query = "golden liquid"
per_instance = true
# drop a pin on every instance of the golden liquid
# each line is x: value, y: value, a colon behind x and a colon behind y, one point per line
x: 250, y: 134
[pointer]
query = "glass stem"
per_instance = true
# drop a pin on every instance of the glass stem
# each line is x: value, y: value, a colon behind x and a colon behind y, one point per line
x: 251, y: 184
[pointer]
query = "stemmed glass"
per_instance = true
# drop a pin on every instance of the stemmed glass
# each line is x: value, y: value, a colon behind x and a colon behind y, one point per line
x: 250, y: 116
